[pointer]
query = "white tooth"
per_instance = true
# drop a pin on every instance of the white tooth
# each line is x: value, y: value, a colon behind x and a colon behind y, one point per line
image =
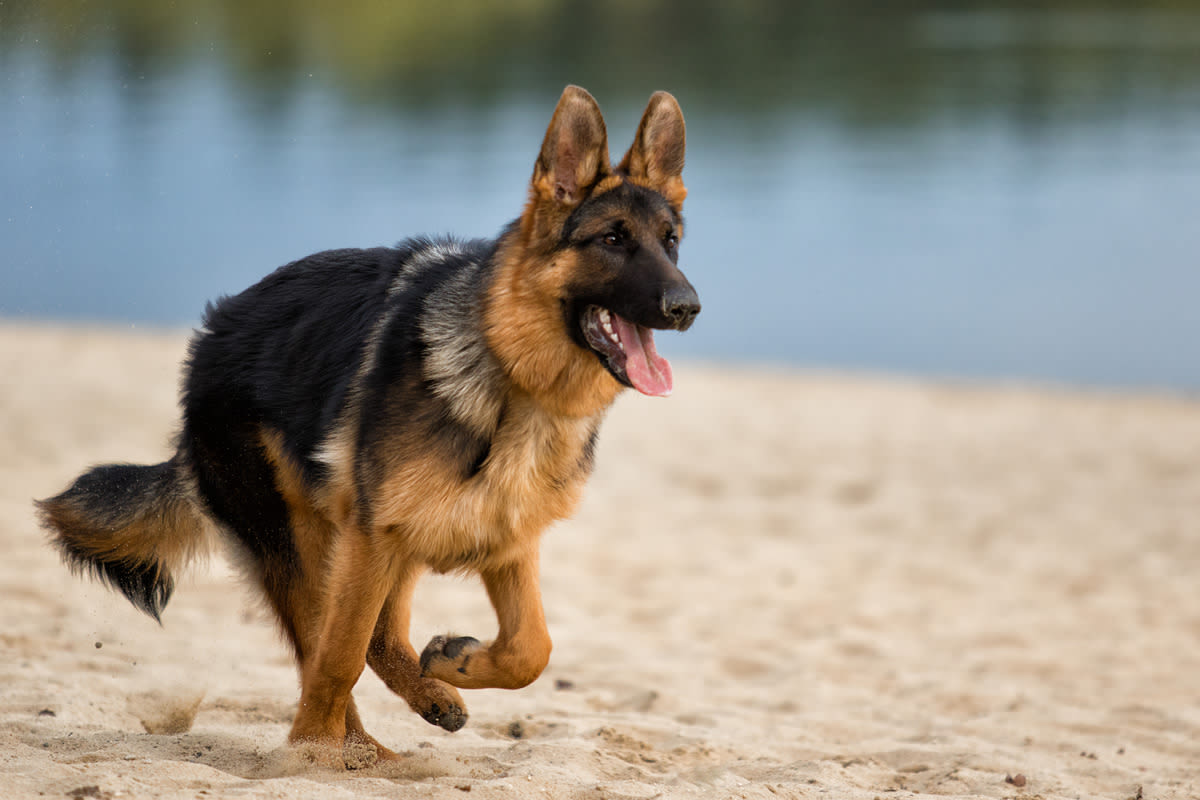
x: 605, y: 319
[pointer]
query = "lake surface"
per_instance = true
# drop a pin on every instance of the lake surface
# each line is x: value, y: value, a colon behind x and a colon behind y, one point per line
x: 981, y: 193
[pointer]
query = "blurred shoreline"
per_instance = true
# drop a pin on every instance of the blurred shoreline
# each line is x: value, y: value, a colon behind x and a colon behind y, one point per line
x: 979, y: 191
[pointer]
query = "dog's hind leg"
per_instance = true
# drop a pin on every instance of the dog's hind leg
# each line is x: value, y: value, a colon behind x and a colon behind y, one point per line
x: 294, y: 583
x: 520, y: 651
x: 358, y: 583
x: 303, y: 618
x: 395, y: 661
x: 359, y: 748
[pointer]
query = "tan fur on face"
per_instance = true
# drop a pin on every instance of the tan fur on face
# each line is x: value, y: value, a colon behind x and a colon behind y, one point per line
x: 523, y: 320
x: 524, y: 325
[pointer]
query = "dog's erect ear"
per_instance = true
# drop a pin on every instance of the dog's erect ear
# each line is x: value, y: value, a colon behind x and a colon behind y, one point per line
x: 575, y: 151
x: 656, y: 157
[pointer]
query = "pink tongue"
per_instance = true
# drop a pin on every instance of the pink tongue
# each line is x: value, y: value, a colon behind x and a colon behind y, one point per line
x: 649, y: 372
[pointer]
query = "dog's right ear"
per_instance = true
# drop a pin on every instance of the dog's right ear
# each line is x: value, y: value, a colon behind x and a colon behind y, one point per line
x: 575, y: 151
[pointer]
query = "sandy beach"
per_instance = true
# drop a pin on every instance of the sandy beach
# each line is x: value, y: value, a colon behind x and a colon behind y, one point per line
x: 781, y: 584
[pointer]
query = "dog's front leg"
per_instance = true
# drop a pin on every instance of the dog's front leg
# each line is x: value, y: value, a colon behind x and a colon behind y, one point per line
x: 396, y: 663
x: 520, y: 651
x: 359, y: 582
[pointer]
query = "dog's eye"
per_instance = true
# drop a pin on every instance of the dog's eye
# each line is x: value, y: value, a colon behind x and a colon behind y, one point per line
x: 671, y: 241
x: 613, y: 239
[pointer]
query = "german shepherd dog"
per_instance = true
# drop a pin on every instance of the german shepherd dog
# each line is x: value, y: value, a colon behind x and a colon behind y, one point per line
x: 361, y: 416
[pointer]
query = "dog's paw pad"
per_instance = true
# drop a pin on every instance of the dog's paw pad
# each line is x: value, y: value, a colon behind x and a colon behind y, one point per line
x: 456, y: 650
x: 452, y: 719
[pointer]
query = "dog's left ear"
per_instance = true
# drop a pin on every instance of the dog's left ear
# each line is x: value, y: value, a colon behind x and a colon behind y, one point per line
x: 656, y: 157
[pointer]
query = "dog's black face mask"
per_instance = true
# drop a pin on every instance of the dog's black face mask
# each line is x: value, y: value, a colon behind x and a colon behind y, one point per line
x: 627, y: 240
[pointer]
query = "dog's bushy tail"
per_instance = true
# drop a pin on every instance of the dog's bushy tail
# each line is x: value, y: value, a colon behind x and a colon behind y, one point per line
x: 130, y: 526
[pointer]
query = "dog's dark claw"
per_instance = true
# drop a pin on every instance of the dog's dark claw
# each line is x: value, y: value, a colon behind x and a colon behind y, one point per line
x: 452, y: 719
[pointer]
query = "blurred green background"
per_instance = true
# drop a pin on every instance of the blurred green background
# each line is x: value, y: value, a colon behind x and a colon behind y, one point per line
x: 969, y: 189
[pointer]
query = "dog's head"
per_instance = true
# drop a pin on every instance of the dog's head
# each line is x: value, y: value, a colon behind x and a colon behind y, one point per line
x: 621, y: 228
x: 599, y: 250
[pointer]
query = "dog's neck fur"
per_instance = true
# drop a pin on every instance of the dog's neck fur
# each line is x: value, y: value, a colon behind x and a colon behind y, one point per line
x: 523, y: 325
x: 461, y: 368
x: 490, y: 333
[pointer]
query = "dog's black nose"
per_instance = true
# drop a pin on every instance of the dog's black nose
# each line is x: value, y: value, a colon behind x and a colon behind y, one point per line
x: 680, y: 305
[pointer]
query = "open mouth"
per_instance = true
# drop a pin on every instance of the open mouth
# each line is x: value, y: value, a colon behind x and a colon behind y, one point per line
x: 627, y: 349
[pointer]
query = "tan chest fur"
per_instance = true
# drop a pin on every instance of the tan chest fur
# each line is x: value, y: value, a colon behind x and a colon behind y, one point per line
x: 532, y: 476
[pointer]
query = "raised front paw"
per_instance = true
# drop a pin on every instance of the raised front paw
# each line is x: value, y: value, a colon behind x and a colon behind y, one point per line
x: 444, y: 656
x: 452, y: 718
x: 438, y: 704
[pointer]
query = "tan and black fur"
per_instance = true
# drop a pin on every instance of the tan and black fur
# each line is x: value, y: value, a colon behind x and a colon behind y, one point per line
x: 361, y: 416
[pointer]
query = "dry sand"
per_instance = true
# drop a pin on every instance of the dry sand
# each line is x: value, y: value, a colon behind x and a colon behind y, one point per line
x: 780, y: 585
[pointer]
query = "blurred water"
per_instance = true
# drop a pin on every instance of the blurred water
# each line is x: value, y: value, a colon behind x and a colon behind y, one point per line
x: 998, y: 195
